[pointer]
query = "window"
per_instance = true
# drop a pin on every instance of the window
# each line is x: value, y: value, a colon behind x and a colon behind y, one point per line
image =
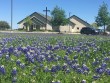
x: 78, y: 28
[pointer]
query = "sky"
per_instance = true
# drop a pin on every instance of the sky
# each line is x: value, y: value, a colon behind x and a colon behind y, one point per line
x: 84, y: 9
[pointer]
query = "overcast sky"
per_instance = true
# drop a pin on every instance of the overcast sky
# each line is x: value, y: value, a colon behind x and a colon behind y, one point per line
x: 85, y: 9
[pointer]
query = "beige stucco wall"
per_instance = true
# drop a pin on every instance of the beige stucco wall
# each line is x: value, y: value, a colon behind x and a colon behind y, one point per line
x: 78, y: 25
x: 73, y: 28
x: 20, y: 26
x: 66, y: 28
x: 49, y: 27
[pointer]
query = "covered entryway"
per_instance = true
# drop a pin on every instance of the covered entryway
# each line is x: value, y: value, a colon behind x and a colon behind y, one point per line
x: 37, y: 23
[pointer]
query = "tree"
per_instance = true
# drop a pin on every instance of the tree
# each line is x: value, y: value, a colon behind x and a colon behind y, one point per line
x: 28, y: 23
x: 4, y: 25
x: 94, y: 25
x: 103, y: 16
x: 108, y: 28
x: 58, y: 17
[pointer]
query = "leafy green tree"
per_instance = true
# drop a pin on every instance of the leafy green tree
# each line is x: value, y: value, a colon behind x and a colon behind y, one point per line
x: 28, y: 23
x: 108, y: 28
x: 4, y: 25
x: 103, y: 16
x: 58, y: 17
x: 94, y: 25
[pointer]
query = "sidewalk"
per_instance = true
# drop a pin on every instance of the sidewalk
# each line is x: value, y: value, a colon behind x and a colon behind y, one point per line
x: 35, y: 32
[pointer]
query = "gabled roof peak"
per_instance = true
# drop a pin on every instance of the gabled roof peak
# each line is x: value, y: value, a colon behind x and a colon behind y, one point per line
x: 79, y: 19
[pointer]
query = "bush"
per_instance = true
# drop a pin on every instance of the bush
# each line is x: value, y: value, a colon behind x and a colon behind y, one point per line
x: 4, y: 25
x: 20, y: 29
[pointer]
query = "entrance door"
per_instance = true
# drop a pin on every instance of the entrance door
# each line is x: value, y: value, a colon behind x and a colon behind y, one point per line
x: 31, y: 28
x: 37, y: 27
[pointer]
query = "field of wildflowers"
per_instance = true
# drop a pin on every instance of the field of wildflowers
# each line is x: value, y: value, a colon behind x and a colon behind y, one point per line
x: 54, y: 58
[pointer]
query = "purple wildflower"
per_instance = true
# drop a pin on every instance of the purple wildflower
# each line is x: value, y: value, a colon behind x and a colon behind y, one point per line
x: 14, y: 71
x: 2, y: 69
x: 7, y: 57
x: 18, y: 62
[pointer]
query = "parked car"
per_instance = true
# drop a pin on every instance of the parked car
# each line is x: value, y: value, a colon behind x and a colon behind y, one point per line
x: 89, y: 30
x: 101, y: 31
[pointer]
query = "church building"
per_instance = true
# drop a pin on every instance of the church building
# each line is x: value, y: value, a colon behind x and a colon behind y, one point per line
x: 39, y: 22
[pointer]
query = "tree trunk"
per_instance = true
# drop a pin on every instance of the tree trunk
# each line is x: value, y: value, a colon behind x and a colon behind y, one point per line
x: 104, y: 28
x: 28, y: 28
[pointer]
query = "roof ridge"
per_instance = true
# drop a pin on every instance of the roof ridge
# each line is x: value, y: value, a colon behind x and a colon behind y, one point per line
x: 44, y: 16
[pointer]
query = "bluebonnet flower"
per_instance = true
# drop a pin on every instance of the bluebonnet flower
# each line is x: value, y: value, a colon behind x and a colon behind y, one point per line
x: 79, y: 70
x: 18, y: 62
x: 14, y: 79
x: 80, y: 43
x: 24, y: 50
x: 11, y: 49
x: 64, y: 67
x: 107, y: 71
x: 95, y: 63
x: 106, y: 59
x: 74, y: 61
x: 58, y: 67
x: 53, y: 69
x: 33, y: 72
x: 67, y: 70
x: 49, y: 47
x: 32, y: 60
x: 41, y: 65
x: 103, y: 65
x: 69, y: 62
x: 22, y: 65
x: 85, y: 68
x: 59, y: 57
x: 7, y: 57
x: 66, y: 57
x: 75, y: 57
x: 2, y: 69
x: 46, y: 69
x: 69, y: 51
x: 75, y: 66
x: 56, y: 47
x: 86, y: 49
x: 19, y: 48
x: 78, y: 49
x: 99, y: 70
x: 95, y: 77
x: 14, y: 71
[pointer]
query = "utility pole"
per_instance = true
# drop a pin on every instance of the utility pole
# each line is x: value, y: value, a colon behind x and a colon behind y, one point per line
x: 46, y: 17
x: 11, y: 14
x: 69, y: 20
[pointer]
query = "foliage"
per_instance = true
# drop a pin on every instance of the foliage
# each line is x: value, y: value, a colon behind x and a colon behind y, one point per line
x: 28, y: 23
x: 4, y: 25
x: 103, y: 16
x: 94, y: 25
x: 58, y: 17
x: 54, y: 58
